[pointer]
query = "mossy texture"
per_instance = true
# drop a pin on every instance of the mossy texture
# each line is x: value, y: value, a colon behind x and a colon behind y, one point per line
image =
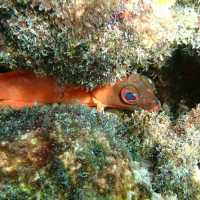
x: 173, y: 151
x: 87, y: 43
x: 72, y: 152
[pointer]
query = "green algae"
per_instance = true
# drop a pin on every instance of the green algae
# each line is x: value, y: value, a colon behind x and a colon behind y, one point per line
x: 88, y: 153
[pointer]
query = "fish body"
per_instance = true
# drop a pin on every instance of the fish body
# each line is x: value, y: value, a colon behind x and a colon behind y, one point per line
x: 24, y: 89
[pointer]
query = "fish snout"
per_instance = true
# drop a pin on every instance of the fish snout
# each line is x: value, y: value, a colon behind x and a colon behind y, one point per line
x: 156, y: 106
x: 151, y: 105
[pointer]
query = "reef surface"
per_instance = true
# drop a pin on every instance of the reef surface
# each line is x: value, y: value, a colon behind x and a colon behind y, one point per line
x: 58, y: 152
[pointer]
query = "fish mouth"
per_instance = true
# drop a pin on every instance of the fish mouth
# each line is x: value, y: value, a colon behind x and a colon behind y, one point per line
x: 154, y: 106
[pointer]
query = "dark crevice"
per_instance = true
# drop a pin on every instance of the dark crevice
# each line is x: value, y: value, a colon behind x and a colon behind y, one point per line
x: 181, y: 80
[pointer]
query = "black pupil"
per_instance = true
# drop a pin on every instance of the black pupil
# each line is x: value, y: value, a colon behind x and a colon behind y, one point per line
x: 130, y: 96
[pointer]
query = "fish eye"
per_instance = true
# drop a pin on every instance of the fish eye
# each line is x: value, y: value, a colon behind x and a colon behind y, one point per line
x: 128, y: 96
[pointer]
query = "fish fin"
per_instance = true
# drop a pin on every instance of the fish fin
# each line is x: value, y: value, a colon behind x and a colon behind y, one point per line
x: 100, y: 106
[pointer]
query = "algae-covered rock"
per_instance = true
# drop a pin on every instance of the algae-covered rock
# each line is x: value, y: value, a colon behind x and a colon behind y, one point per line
x: 68, y: 152
x: 87, y: 42
x: 75, y: 153
x: 173, y: 150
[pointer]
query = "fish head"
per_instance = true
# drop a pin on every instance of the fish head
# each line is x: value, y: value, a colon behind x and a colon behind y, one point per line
x: 132, y: 93
x: 138, y: 92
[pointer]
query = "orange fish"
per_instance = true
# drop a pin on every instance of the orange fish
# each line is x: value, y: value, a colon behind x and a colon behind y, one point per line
x: 24, y: 89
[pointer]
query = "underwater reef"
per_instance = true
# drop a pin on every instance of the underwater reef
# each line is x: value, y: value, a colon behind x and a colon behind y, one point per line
x: 71, y: 152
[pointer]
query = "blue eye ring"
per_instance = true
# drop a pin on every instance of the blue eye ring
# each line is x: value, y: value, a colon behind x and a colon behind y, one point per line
x: 127, y: 96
